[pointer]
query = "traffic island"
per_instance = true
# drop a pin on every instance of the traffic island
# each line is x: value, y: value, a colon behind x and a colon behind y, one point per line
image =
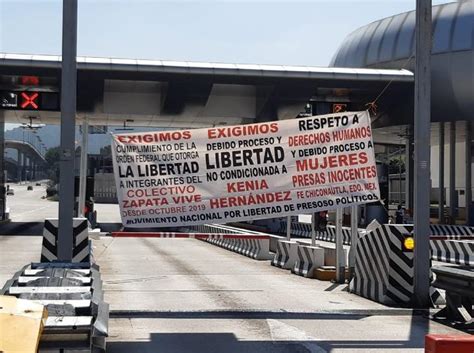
x: 70, y: 291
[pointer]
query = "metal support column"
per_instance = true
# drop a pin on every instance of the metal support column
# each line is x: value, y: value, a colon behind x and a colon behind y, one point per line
x: 3, y: 196
x: 452, y: 172
x: 354, y: 240
x: 19, y: 170
x: 288, y: 228
x: 313, y: 229
x: 340, y: 260
x: 422, y: 183
x: 23, y: 167
x: 83, y: 169
x: 468, y: 171
x: 441, y: 174
x: 400, y: 193
x: 68, y: 117
x: 409, y: 168
x: 27, y: 168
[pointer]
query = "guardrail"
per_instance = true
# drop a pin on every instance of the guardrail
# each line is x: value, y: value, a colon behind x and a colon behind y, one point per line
x: 72, y: 293
x: 459, y: 286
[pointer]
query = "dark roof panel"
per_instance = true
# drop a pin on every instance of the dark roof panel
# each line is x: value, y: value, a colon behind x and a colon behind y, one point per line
x: 463, y: 33
x: 393, y: 38
x: 388, y: 42
x: 374, y: 47
x: 442, y: 30
x: 406, y: 37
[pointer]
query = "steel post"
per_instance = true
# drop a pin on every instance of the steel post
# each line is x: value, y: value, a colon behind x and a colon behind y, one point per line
x: 19, y: 166
x: 3, y: 198
x: 452, y: 171
x: 27, y: 167
x: 313, y: 229
x: 422, y: 183
x: 441, y: 174
x: 83, y: 169
x: 400, y: 197
x: 68, y: 117
x: 468, y: 171
x: 354, y: 240
x: 409, y: 168
x: 288, y: 228
x: 340, y: 261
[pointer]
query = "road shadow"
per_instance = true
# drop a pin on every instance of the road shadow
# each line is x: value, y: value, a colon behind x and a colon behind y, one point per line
x: 258, y: 314
x: 21, y: 228
x: 226, y: 342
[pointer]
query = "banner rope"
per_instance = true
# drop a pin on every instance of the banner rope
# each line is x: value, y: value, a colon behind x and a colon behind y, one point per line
x: 372, y: 105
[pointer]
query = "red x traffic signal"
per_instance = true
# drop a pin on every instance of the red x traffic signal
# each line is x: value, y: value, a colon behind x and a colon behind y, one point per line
x: 29, y: 100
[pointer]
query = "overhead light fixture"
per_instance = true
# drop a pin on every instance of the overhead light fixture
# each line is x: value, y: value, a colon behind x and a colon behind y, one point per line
x: 125, y: 127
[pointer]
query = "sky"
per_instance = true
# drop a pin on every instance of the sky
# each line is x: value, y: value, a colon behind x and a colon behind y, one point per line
x: 263, y: 32
x: 256, y: 32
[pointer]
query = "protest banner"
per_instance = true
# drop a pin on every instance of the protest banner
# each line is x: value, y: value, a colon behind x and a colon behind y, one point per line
x: 245, y: 172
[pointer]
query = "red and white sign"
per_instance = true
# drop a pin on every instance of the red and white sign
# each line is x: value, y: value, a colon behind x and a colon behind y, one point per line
x: 245, y: 172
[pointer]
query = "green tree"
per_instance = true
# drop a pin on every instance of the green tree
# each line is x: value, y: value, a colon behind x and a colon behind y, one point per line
x: 106, y: 151
x: 52, y: 159
x: 396, y: 165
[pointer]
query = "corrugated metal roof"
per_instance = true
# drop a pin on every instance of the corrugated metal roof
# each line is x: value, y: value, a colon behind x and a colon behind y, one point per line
x: 392, y: 38
x: 208, y: 68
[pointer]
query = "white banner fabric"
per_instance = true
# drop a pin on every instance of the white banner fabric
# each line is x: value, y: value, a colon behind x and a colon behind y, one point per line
x: 245, y: 172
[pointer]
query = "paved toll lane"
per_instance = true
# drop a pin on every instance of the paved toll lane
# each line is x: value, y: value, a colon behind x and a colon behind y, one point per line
x: 16, y: 252
x: 28, y: 205
x: 184, y: 295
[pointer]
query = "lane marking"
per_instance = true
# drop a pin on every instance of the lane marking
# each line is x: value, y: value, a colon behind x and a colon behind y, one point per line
x: 280, y: 331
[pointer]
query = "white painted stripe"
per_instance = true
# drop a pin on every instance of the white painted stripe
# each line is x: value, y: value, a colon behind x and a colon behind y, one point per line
x: 67, y: 321
x: 20, y: 290
x: 46, y: 253
x: 82, y: 256
x: 26, y: 279
x: 75, y: 303
x: 49, y: 237
x: 33, y: 272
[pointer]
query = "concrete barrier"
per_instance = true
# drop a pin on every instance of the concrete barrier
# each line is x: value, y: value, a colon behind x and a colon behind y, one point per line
x: 72, y: 293
x: 460, y: 252
x: 309, y: 258
x: 254, y: 246
x: 384, y: 269
x: 274, y: 241
x: 449, y: 343
x: 81, y: 245
x: 286, y: 254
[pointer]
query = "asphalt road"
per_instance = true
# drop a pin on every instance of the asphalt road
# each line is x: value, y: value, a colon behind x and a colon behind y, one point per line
x: 28, y: 210
x: 28, y: 205
x: 184, y: 295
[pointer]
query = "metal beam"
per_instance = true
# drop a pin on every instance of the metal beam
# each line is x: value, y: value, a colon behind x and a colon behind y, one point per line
x: 68, y: 122
x: 288, y: 228
x: 409, y: 166
x: 452, y: 171
x: 468, y: 171
x: 83, y: 169
x: 422, y: 121
x: 441, y: 174
x: 340, y: 260
x: 3, y: 198
x: 354, y: 240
